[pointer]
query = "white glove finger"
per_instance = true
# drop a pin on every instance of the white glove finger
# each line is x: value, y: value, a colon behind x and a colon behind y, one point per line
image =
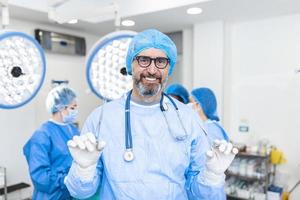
x: 83, y: 137
x: 210, y: 154
x: 79, y: 142
x: 228, y: 149
x: 71, y: 143
x: 100, y: 145
x: 90, y: 147
x: 216, y: 142
x: 222, y: 147
x: 235, y: 151
x: 91, y: 137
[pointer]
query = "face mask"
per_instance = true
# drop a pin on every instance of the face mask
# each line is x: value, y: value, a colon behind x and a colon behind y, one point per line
x: 71, y: 117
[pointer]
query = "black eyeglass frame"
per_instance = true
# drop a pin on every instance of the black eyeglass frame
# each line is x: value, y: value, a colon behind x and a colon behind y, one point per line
x: 137, y: 58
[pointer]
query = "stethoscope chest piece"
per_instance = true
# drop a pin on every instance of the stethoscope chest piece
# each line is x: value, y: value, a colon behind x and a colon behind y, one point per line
x: 128, y: 155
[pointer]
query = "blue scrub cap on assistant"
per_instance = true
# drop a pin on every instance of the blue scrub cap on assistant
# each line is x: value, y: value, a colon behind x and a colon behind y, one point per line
x: 206, y: 98
x: 178, y: 90
x: 151, y: 38
x: 58, y: 98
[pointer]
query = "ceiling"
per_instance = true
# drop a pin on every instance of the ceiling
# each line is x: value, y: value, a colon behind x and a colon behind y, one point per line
x: 166, y: 15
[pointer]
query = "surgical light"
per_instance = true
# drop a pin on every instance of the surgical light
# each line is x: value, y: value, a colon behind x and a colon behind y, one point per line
x: 22, y: 69
x: 106, y: 70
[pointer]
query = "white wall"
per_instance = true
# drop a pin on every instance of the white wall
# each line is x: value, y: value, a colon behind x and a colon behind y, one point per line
x: 18, y: 125
x: 265, y: 88
x: 187, y: 58
x: 258, y: 59
x: 208, y: 58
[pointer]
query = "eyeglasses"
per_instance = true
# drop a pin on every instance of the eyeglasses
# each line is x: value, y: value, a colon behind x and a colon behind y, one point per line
x: 145, y: 61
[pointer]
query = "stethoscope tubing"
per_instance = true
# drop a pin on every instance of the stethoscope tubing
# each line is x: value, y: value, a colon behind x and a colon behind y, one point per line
x: 128, y: 134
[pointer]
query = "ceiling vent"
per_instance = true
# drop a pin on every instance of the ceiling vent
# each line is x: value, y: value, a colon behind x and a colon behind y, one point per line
x: 60, y: 43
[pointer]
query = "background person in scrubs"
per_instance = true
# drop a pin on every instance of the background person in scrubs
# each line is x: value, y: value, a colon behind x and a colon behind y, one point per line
x: 178, y: 92
x: 205, y: 103
x: 150, y: 153
x: 46, y: 151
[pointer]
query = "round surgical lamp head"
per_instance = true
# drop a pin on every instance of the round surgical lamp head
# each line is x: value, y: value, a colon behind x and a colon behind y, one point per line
x: 22, y: 69
x: 106, y: 70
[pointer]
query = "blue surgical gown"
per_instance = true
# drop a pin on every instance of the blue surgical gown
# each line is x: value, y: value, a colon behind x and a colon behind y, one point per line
x: 49, y: 160
x: 164, y: 168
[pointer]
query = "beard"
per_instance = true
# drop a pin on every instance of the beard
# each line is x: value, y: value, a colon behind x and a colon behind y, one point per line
x: 152, y: 89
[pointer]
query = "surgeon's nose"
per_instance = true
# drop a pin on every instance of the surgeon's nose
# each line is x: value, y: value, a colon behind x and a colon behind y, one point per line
x: 152, y: 68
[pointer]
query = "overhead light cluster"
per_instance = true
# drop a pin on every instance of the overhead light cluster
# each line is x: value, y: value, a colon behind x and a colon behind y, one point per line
x: 106, y: 72
x: 22, y: 69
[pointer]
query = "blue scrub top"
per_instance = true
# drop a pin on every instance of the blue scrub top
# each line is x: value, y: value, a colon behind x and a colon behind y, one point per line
x: 163, y: 168
x: 49, y: 160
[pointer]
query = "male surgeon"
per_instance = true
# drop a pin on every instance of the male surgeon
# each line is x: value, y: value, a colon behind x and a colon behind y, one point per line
x: 147, y: 145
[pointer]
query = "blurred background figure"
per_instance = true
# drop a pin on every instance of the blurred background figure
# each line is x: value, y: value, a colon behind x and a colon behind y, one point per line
x: 205, y: 103
x: 178, y: 92
x: 46, y: 151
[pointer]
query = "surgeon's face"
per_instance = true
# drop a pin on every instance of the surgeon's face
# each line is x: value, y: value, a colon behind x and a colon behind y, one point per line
x: 149, y: 81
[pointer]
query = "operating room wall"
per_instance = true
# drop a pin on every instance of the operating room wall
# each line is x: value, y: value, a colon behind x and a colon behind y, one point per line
x: 177, y: 73
x: 187, y: 58
x: 208, y: 40
x: 256, y: 62
x: 265, y: 86
x: 17, y: 125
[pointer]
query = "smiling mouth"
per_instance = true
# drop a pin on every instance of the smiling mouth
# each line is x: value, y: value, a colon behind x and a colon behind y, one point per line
x: 150, y: 78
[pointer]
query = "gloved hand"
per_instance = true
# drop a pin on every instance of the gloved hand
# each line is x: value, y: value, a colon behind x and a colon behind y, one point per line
x: 85, y: 151
x: 219, y: 159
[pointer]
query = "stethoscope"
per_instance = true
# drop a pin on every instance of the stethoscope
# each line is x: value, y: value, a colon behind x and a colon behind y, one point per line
x: 128, y: 154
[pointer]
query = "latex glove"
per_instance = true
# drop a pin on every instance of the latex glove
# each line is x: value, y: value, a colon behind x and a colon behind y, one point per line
x: 219, y: 159
x: 85, y: 151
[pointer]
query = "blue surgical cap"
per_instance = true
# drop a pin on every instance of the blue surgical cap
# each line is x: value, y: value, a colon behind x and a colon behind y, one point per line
x: 147, y: 39
x: 178, y: 90
x: 206, y: 98
x: 58, y: 98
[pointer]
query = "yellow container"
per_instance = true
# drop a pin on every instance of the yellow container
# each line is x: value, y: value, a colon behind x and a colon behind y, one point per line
x: 277, y: 157
x: 285, y: 196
